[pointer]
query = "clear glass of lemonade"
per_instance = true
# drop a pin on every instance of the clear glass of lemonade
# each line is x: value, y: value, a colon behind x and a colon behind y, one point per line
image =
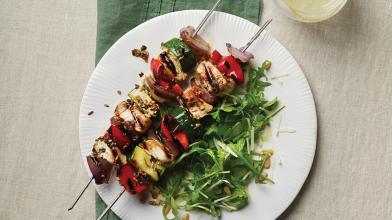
x: 310, y: 10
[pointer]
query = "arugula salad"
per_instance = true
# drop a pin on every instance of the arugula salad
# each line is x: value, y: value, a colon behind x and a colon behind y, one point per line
x: 224, y: 158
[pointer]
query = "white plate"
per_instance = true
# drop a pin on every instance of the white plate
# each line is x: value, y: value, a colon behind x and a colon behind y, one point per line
x: 118, y: 70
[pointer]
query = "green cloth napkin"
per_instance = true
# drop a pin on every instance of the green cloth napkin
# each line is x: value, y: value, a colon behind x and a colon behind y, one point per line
x: 117, y: 17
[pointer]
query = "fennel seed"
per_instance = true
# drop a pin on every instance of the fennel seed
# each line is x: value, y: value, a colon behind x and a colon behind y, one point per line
x: 267, y: 163
x: 185, y: 216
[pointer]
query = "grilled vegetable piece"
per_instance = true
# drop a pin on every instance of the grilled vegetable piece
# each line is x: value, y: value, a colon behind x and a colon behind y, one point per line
x: 119, y: 137
x: 135, y: 121
x: 121, y: 158
x: 182, y: 138
x: 170, y: 148
x: 177, y: 89
x: 180, y: 54
x: 213, y: 80
x: 142, y: 99
x: 127, y: 177
x: 229, y: 66
x: 165, y: 129
x: 184, y: 119
x: 100, y: 168
x: 172, y: 71
x: 215, y: 57
x: 157, y: 92
x: 239, y: 54
x: 157, y: 69
x: 195, y: 105
x: 161, y: 80
x: 173, y: 132
x: 144, y: 162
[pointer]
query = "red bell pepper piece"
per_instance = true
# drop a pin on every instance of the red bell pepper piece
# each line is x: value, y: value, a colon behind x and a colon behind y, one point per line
x: 164, y: 84
x: 177, y: 89
x: 129, y: 181
x: 174, y: 88
x: 182, y: 138
x: 156, y: 67
x: 178, y: 135
x: 223, y: 66
x: 230, y: 66
x: 119, y: 136
x: 215, y: 57
x: 165, y: 129
x: 106, y: 135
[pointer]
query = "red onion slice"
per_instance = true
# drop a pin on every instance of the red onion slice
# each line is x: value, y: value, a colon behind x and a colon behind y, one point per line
x: 238, y: 54
x: 158, y: 90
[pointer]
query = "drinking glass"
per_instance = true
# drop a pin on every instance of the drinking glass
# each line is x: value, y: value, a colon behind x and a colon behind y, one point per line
x: 310, y: 10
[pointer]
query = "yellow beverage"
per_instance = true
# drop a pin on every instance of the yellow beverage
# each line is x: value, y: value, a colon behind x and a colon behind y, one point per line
x: 311, y: 10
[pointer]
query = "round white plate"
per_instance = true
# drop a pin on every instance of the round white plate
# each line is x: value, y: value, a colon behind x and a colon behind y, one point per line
x: 294, y: 152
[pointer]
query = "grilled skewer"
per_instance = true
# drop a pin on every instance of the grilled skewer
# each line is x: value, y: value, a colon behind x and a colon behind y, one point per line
x: 159, y: 70
x: 132, y: 118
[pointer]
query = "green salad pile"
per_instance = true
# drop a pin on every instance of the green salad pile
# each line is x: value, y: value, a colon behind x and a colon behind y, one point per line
x: 222, y: 160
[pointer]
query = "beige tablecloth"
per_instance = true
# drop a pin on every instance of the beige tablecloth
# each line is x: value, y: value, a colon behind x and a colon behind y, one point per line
x: 47, y: 55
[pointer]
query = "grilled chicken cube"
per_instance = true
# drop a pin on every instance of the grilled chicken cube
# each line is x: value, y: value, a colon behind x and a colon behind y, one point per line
x: 213, y: 80
x: 168, y: 145
x: 141, y: 98
x: 102, y: 149
x: 156, y: 150
x: 201, y: 91
x: 195, y: 105
x: 134, y: 120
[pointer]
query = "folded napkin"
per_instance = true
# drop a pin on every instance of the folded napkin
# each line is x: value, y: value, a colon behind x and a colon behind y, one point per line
x: 116, y: 17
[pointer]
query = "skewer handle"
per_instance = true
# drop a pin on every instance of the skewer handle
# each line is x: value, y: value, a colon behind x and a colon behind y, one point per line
x: 81, y: 193
x: 262, y: 28
x: 110, y: 206
x: 206, y: 17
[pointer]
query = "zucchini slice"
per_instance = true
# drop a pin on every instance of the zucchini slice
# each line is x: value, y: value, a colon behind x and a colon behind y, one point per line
x: 145, y: 163
x: 181, y: 52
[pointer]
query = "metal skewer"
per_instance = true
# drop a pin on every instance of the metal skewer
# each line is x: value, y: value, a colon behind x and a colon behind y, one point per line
x: 80, y: 194
x: 110, y: 206
x: 262, y: 28
x: 206, y: 18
